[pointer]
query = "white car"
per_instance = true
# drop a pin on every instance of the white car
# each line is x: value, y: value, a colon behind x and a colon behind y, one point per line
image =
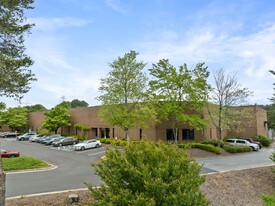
x: 242, y: 142
x: 87, y: 144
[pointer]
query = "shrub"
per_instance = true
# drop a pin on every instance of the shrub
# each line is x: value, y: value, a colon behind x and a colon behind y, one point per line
x: 269, y: 200
x: 236, y: 149
x: 263, y: 140
x: 213, y: 142
x: 148, y: 174
x: 102, y: 140
x: 229, y: 137
x: 206, y: 147
x: 272, y: 157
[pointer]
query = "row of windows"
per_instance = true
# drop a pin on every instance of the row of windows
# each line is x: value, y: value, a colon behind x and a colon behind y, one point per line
x: 187, y: 134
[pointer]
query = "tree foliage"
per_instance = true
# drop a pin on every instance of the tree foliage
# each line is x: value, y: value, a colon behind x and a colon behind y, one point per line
x: 36, y: 108
x: 15, y: 118
x: 14, y: 75
x: 223, y: 96
x: 148, y: 173
x: 123, y: 94
x: 177, y: 90
x: 77, y: 103
x: 56, y: 118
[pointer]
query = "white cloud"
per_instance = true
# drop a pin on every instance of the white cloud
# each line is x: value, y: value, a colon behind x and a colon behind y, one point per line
x: 50, y: 24
x: 118, y: 6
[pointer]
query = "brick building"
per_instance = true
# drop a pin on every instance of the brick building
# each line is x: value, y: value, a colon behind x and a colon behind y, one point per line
x: 88, y: 116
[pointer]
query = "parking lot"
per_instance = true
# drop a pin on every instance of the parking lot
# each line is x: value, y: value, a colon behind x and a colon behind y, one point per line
x: 72, y: 168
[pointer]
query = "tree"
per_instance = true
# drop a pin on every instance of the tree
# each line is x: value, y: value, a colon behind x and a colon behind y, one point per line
x: 56, y: 118
x: 148, y: 173
x: 83, y: 128
x: 15, y: 118
x: 65, y: 104
x: 36, y: 108
x: 77, y: 103
x: 2, y: 108
x: 14, y: 75
x: 123, y: 94
x: 177, y: 90
x: 224, y: 96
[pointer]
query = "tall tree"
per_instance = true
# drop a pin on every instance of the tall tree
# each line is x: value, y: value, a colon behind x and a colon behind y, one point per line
x: 223, y: 96
x: 123, y: 94
x: 179, y: 89
x: 14, y: 75
x: 77, y: 103
x: 15, y: 118
x: 55, y: 118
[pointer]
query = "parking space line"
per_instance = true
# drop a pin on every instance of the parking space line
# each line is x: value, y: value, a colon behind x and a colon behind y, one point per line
x: 96, y: 153
x: 89, y: 150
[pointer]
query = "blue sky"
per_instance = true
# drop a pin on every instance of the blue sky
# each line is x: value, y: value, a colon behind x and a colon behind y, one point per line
x: 74, y: 40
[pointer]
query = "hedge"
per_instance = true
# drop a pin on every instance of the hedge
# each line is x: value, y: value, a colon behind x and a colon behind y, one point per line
x: 236, y: 149
x: 262, y: 139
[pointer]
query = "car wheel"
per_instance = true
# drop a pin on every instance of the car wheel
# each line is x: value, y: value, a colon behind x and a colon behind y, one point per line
x: 11, y: 156
x: 253, y: 149
x: 82, y: 148
x: 60, y: 145
x: 97, y: 146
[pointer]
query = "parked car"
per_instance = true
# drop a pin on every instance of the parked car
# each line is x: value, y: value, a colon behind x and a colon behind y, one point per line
x: 243, y: 142
x: 65, y: 141
x: 8, y: 134
x: 25, y: 136
x: 39, y: 140
x: 87, y: 144
x: 252, y: 141
x: 34, y: 138
x: 9, y: 154
x: 48, y: 138
x: 52, y: 140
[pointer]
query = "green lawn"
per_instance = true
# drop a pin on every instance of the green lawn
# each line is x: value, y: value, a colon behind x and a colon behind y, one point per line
x: 22, y: 163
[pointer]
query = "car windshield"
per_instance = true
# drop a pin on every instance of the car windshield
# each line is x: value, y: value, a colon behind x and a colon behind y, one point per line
x: 2, y: 150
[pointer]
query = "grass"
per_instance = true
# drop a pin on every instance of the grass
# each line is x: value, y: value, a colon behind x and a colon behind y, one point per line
x: 269, y: 200
x: 22, y: 163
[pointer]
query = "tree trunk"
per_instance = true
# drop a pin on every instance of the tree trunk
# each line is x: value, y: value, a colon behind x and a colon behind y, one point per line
x: 127, y: 135
x: 220, y: 126
x: 2, y: 184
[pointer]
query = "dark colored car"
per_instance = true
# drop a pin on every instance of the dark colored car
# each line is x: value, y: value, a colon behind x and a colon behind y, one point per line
x: 48, y: 138
x: 9, y: 154
x: 65, y: 141
x: 252, y: 141
x: 52, y: 140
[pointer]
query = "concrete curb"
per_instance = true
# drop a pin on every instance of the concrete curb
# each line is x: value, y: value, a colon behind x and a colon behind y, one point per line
x: 47, y: 193
x: 51, y: 167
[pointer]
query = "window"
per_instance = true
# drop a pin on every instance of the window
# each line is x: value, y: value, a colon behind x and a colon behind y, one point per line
x: 240, y: 141
x: 140, y: 134
x: 188, y: 134
x: 170, y: 135
x: 230, y: 140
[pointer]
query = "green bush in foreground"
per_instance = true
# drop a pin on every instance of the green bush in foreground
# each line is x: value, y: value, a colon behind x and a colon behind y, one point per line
x: 22, y: 163
x: 236, y: 149
x: 148, y: 174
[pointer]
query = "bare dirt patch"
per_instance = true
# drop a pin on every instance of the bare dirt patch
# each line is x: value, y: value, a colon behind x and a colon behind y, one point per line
x: 236, y: 188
